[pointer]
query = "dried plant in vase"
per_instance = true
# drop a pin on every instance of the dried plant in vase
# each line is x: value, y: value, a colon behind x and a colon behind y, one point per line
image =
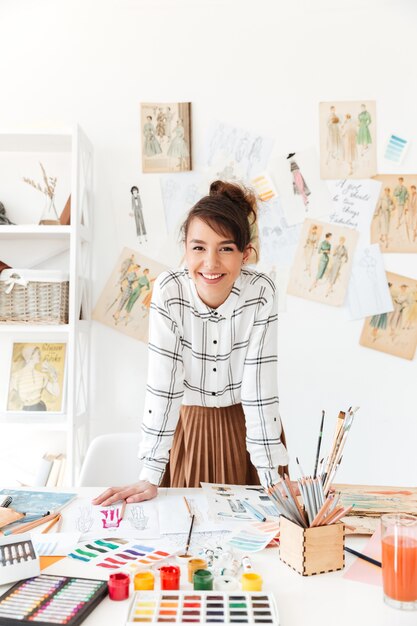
x: 49, y: 215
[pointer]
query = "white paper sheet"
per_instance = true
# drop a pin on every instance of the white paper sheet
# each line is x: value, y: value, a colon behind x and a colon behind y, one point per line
x: 139, y: 521
x: 368, y: 292
x: 55, y: 544
x: 174, y: 516
x: 179, y: 193
x: 277, y: 241
x: 302, y: 192
x: 353, y: 204
x: 235, y: 153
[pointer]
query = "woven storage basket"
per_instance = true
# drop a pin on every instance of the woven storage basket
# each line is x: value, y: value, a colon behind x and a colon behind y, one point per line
x: 34, y: 296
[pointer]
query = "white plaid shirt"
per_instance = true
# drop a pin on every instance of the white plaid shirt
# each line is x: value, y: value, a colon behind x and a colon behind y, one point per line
x: 215, y: 358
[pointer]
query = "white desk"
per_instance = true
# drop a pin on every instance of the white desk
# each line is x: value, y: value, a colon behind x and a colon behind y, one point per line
x: 322, y: 600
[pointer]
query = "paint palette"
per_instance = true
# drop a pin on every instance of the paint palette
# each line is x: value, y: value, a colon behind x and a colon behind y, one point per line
x: 110, y: 554
x: 49, y: 600
x: 203, y: 607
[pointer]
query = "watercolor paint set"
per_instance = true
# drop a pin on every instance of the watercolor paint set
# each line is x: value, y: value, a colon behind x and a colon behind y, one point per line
x: 113, y: 554
x: 203, y: 607
x: 18, y: 558
x: 48, y: 600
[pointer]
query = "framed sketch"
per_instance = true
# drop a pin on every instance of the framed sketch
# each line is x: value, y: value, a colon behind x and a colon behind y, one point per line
x: 323, y: 261
x: 166, y: 136
x: 348, y: 139
x: 125, y: 301
x: 394, y: 225
x: 37, y: 373
x: 395, y: 332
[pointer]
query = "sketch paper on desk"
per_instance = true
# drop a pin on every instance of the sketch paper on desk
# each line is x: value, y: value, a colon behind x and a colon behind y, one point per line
x: 277, y: 240
x: 125, y: 301
x: 226, y: 502
x: 166, y: 136
x: 236, y: 154
x: 301, y: 190
x: 139, y: 520
x: 175, y: 518
x: 179, y: 194
x: 37, y: 376
x: 347, y: 139
x: 253, y: 537
x: 368, y: 291
x: 360, y: 570
x: 55, y: 544
x: 34, y: 502
x: 396, y: 332
x: 394, y: 224
x: 375, y: 500
x: 322, y: 264
x: 353, y: 204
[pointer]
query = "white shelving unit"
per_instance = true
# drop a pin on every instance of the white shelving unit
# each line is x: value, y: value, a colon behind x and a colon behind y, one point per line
x: 74, y: 243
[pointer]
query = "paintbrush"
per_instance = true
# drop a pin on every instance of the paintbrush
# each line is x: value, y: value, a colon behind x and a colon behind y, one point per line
x: 187, y: 545
x: 319, y: 444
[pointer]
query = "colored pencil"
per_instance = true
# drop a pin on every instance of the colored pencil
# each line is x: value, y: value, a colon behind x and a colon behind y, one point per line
x: 187, y: 504
x: 319, y: 444
x: 364, y: 557
x: 122, y: 510
x: 54, y: 521
x: 25, y: 527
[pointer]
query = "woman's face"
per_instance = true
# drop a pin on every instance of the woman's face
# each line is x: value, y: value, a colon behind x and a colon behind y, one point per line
x: 214, y: 262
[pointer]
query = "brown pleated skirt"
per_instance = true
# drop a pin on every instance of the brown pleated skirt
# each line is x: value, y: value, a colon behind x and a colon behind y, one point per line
x: 210, y: 446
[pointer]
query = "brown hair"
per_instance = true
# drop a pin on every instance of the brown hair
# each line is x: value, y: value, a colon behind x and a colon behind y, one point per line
x: 229, y: 209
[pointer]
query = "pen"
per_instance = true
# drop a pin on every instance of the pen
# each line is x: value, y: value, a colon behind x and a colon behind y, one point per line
x: 364, y: 557
x: 7, y: 502
x: 251, y: 509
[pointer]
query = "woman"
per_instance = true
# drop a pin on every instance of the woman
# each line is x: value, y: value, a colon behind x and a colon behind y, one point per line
x: 364, y: 136
x: 212, y: 377
x: 178, y: 148
x: 350, y: 154
x: 151, y: 146
x: 340, y: 255
x: 30, y: 382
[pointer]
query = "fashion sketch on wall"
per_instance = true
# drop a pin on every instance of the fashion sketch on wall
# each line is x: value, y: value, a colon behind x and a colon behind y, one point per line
x: 137, y: 213
x: 395, y: 332
x: 394, y: 225
x: 37, y: 377
x: 166, y: 136
x: 125, y: 301
x: 323, y: 261
x: 348, y: 139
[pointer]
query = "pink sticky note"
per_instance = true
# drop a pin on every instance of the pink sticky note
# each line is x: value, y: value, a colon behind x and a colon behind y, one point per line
x: 364, y: 572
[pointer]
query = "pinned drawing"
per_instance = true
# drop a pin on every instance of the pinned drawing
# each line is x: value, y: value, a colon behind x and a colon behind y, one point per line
x: 395, y: 332
x: 322, y: 263
x: 111, y: 517
x: 125, y: 301
x: 394, y: 225
x: 137, y: 213
x: 137, y: 518
x: 347, y: 139
x: 166, y: 137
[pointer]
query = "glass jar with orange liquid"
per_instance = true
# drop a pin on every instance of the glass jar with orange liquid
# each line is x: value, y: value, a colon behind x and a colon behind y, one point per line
x: 399, y: 560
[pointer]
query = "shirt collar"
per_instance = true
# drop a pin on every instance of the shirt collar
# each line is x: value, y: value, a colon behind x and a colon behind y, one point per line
x: 225, y: 310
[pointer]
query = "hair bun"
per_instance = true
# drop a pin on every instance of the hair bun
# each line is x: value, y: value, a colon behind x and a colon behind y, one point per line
x: 236, y: 193
x: 217, y: 188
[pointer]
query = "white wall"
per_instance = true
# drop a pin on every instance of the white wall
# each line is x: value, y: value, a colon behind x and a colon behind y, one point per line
x: 263, y: 65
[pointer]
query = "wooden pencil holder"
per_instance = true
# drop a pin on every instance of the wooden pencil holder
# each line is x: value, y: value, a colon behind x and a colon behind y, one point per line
x: 312, y: 550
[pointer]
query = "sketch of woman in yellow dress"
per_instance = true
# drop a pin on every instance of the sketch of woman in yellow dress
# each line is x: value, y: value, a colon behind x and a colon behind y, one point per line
x: 309, y: 247
x: 348, y: 133
x: 412, y: 311
x: 334, y: 143
x: 340, y: 256
x: 29, y: 383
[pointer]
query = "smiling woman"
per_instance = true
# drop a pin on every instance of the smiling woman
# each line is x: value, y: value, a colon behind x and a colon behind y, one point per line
x: 211, y: 409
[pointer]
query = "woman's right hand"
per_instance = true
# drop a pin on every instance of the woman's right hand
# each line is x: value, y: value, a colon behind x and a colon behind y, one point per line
x: 138, y: 492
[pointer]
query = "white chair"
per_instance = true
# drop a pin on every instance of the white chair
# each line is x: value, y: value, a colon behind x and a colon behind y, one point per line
x: 111, y: 460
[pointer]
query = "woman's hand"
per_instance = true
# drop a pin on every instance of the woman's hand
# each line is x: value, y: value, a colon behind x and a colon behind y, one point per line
x: 138, y: 492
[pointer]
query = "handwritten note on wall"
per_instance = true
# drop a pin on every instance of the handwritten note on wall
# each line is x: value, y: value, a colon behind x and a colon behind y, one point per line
x: 353, y: 204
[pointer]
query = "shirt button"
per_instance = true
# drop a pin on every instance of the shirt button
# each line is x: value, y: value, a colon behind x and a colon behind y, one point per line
x: 213, y: 393
x: 215, y: 341
x: 214, y: 369
x: 215, y: 313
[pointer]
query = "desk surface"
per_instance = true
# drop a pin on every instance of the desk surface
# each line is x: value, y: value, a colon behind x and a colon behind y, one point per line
x: 322, y: 600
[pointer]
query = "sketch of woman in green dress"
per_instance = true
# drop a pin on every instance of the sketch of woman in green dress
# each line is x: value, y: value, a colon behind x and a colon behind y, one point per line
x: 340, y: 255
x: 178, y: 148
x: 324, y: 252
x: 151, y: 146
x: 364, y: 136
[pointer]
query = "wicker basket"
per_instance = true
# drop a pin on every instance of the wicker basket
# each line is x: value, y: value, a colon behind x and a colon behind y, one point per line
x: 34, y: 296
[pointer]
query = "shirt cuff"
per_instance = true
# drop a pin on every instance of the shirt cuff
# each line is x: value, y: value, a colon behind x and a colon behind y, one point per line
x: 152, y: 476
x: 270, y: 477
